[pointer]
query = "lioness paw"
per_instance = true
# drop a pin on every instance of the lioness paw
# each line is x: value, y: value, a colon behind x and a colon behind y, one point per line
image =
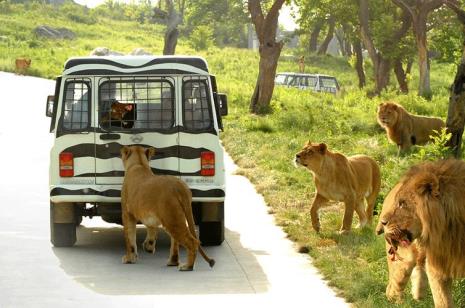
x: 132, y: 258
x: 186, y: 268
x: 149, y: 246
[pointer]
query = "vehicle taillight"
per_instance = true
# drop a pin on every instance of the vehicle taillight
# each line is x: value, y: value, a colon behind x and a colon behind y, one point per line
x: 66, y: 164
x: 207, y: 162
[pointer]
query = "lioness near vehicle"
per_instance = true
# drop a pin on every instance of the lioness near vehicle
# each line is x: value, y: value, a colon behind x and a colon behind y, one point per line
x: 156, y: 200
x: 406, y: 129
x: 407, y: 261
x: 429, y: 209
x: 339, y: 178
x: 21, y: 65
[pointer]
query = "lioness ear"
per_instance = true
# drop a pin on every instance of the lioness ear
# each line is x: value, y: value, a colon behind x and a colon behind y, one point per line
x: 428, y: 185
x: 149, y: 152
x: 125, y: 152
x: 322, y: 148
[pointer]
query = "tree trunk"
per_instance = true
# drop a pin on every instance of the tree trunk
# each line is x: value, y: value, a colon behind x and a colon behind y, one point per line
x: 456, y: 114
x: 340, y: 39
x: 313, y: 42
x: 359, y: 63
x: 382, y: 74
x: 419, y: 27
x: 269, y: 56
x: 401, y: 76
x: 173, y: 20
x: 329, y: 36
x: 269, y: 51
x: 171, y: 40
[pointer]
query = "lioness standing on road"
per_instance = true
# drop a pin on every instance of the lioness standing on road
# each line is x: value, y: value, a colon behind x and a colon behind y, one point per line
x: 156, y: 200
x: 339, y: 178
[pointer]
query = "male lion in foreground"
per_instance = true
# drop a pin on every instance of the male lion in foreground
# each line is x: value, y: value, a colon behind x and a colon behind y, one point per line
x: 156, y: 200
x: 407, y: 261
x: 348, y: 179
x: 406, y: 129
x: 426, y: 215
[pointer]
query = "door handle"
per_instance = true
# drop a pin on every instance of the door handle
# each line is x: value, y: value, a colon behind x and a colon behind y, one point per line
x: 110, y: 136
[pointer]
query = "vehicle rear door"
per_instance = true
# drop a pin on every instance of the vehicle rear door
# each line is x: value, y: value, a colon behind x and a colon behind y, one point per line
x: 135, y: 111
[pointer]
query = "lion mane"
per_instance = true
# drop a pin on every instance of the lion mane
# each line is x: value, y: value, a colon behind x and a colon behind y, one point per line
x: 426, y: 212
x: 404, y: 128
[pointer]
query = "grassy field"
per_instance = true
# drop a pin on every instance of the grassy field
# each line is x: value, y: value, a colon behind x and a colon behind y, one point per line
x: 264, y: 146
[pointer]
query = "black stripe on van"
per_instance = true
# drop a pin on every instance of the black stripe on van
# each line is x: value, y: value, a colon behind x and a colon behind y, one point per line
x: 59, y: 191
x: 196, y: 193
x: 192, y: 61
x: 106, y: 72
x: 112, y: 149
x: 174, y: 130
x: 119, y: 173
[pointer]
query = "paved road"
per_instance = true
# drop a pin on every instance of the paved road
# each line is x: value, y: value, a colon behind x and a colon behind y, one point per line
x: 256, y: 265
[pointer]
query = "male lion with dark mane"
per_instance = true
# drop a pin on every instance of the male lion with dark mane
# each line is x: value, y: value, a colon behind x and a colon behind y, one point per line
x: 351, y: 180
x: 404, y: 128
x: 425, y: 215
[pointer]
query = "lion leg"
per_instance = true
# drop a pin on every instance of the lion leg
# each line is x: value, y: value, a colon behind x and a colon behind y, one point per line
x: 360, y: 209
x: 174, y: 253
x: 348, y: 216
x: 419, y: 282
x: 399, y: 274
x: 129, y: 224
x: 182, y: 235
x: 441, y: 288
x: 318, y: 202
x: 150, y: 239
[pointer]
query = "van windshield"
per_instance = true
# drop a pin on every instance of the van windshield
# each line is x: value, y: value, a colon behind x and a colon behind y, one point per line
x: 126, y: 104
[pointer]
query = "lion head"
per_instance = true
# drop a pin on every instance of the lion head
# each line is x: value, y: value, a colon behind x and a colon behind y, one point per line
x: 389, y: 114
x: 428, y: 205
x: 311, y: 155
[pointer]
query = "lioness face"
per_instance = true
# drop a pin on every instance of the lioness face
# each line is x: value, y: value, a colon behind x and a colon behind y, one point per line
x: 387, y: 114
x: 311, y: 155
x: 136, y: 155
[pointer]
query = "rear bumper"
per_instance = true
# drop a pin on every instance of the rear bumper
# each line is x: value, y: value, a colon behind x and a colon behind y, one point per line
x: 112, y: 193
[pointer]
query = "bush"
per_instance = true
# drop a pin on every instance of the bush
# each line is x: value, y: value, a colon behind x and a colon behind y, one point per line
x: 201, y: 38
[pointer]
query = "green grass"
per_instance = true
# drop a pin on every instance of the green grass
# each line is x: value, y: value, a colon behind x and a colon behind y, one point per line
x: 264, y: 146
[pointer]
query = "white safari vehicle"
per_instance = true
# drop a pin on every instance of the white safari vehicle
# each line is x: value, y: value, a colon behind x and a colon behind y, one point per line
x: 102, y: 103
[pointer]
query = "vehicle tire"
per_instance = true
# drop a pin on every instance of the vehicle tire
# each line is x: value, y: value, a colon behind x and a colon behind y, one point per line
x: 62, y: 227
x: 211, y: 233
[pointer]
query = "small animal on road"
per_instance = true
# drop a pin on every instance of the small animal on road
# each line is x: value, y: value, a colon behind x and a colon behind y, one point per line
x: 22, y: 65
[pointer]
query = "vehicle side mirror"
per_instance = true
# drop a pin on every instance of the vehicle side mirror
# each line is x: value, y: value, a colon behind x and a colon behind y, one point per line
x: 223, y: 100
x: 49, y: 107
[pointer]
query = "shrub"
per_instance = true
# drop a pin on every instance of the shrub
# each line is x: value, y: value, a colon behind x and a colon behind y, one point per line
x: 201, y: 38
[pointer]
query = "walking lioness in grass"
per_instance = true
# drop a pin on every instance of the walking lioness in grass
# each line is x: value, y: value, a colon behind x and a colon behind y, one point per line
x: 156, y: 200
x: 348, y: 179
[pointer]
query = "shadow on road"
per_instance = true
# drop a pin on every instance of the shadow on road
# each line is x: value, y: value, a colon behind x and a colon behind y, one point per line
x: 95, y: 262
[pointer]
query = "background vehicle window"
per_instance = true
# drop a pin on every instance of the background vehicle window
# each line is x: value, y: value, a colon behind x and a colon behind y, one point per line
x: 328, y: 82
x: 311, y: 81
x: 76, y: 106
x: 280, y: 79
x: 136, y: 104
x: 196, y: 102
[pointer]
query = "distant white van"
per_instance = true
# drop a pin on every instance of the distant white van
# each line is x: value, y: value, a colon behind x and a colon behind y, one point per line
x: 315, y: 82
x: 102, y: 103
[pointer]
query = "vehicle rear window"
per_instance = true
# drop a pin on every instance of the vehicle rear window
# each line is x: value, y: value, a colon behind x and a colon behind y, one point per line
x: 328, y: 82
x: 76, y: 105
x: 197, y: 114
x: 136, y: 104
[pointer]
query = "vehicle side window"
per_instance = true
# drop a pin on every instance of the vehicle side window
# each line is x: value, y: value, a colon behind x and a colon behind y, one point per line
x: 76, y: 105
x: 136, y: 104
x: 197, y: 114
